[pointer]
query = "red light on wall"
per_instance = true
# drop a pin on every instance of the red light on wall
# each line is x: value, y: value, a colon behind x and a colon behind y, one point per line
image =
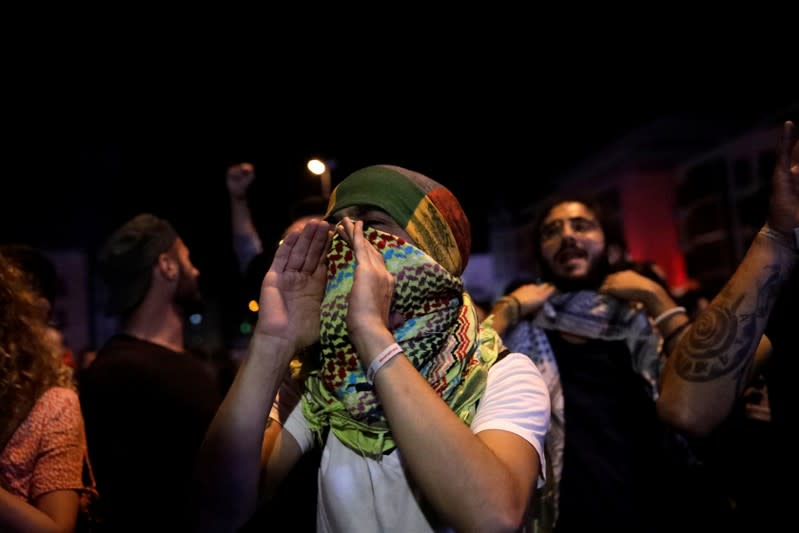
x: 647, y: 205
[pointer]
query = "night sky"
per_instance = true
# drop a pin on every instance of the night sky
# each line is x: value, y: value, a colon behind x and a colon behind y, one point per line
x: 494, y: 149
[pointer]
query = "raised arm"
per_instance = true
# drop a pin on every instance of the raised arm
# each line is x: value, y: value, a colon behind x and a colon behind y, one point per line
x: 238, y: 443
x: 246, y: 242
x: 711, y: 363
x: 474, y: 482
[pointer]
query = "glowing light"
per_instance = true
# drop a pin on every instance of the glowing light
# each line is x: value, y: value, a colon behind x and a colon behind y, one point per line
x: 316, y: 167
x: 253, y: 306
x: 196, y: 318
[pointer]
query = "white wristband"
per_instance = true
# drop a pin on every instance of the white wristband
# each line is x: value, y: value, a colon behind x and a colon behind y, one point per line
x: 382, y: 358
x: 668, y: 313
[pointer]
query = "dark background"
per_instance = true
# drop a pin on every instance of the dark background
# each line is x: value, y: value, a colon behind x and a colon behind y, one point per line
x: 119, y: 112
x: 118, y: 118
x: 499, y: 132
x: 170, y: 158
x: 492, y: 154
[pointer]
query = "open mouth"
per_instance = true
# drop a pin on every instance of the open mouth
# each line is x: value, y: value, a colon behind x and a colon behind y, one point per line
x: 568, y: 255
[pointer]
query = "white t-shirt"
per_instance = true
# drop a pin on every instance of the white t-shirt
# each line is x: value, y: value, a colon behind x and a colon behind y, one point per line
x: 361, y: 494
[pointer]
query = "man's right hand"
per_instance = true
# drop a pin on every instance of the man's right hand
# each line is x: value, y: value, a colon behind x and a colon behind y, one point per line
x: 238, y: 179
x: 292, y: 290
x: 783, y: 214
x: 532, y: 297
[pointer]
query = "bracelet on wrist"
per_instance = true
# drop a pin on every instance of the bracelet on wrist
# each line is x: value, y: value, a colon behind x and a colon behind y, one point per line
x: 388, y: 353
x: 668, y: 313
x: 515, y: 306
x: 781, y: 239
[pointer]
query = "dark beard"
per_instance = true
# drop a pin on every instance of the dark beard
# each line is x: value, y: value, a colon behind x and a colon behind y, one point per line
x: 597, y: 272
x: 188, y: 296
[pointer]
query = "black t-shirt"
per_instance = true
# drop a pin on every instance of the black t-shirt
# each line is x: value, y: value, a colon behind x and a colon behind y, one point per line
x: 614, y: 456
x: 147, y: 409
x: 782, y: 370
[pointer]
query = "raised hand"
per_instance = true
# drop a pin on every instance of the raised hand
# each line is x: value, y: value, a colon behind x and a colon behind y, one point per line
x: 783, y: 214
x: 238, y: 179
x: 369, y: 302
x: 293, y: 287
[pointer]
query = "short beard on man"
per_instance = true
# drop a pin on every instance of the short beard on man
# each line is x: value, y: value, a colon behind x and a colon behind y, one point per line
x: 187, y: 294
x: 598, y: 270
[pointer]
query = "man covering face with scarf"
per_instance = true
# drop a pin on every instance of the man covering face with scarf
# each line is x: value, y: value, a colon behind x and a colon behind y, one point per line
x: 427, y: 422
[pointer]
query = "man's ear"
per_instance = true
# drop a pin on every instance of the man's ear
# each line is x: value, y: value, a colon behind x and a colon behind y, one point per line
x: 167, y: 267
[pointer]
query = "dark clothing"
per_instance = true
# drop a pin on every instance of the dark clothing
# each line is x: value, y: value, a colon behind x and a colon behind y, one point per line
x: 782, y: 370
x: 147, y: 409
x: 623, y: 470
x: 756, y: 459
x: 777, y: 464
x: 610, y: 460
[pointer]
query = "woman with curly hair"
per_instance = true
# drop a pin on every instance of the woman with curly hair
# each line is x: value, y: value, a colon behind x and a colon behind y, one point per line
x: 42, y: 440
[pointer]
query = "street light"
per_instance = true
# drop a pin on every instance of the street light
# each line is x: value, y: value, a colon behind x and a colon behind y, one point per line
x: 318, y: 167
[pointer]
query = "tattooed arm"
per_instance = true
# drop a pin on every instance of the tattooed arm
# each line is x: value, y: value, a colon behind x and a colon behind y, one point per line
x: 712, y: 362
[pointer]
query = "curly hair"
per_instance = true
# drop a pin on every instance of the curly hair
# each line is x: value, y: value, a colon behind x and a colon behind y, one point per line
x: 28, y: 365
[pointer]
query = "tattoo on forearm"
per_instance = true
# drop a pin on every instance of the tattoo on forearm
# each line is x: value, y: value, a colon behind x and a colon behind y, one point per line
x: 723, y: 338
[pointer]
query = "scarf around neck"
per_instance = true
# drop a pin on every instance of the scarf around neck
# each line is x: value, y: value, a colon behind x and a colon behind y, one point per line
x: 595, y: 316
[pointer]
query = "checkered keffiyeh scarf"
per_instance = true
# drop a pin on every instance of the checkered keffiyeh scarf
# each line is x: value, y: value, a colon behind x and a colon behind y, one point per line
x: 440, y: 336
x: 592, y: 315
